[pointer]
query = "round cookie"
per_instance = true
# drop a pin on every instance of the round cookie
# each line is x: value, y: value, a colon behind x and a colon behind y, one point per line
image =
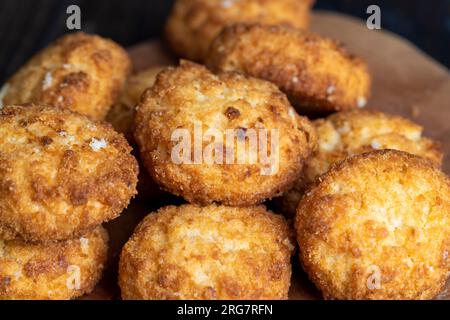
x: 193, y: 24
x: 52, y: 271
x: 348, y: 133
x: 80, y: 72
x: 212, y: 252
x: 192, y: 127
x: 61, y: 174
x: 377, y: 226
x: 316, y: 73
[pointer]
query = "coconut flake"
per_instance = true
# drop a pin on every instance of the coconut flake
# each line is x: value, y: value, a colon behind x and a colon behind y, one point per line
x: 201, y: 97
x: 97, y: 144
x: 227, y: 3
x: 361, y: 102
x: 18, y: 274
x: 345, y: 128
x: 397, y: 223
x: 375, y: 144
x: 331, y: 89
x: 67, y: 139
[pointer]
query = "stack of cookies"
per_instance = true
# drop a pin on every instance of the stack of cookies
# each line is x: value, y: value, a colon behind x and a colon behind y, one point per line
x: 233, y: 249
x: 261, y: 109
x: 62, y: 173
x: 370, y: 204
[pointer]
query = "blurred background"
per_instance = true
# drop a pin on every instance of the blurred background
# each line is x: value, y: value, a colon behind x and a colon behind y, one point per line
x: 29, y: 25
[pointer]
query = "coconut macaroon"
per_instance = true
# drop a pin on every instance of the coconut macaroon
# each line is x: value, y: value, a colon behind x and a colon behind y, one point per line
x: 52, y: 271
x: 61, y: 174
x: 222, y: 138
x: 316, y: 73
x: 212, y: 252
x: 344, y: 134
x: 121, y: 115
x: 377, y: 226
x: 80, y: 72
x: 193, y: 24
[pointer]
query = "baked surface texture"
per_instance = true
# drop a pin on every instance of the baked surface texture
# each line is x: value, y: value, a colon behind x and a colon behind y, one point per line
x: 377, y: 226
x: 61, y: 174
x: 213, y: 252
x: 80, y: 72
x: 348, y: 133
x: 317, y: 73
x: 190, y: 99
x: 52, y: 271
x: 193, y: 24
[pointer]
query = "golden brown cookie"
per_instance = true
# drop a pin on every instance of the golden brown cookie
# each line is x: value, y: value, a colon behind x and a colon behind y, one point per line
x: 212, y: 252
x: 61, y: 174
x: 52, y: 271
x: 193, y: 24
x: 316, y: 73
x: 245, y: 143
x: 344, y: 134
x: 377, y: 226
x: 80, y: 72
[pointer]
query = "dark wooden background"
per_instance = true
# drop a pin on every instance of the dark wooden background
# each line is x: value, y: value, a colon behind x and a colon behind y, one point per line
x: 28, y: 25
